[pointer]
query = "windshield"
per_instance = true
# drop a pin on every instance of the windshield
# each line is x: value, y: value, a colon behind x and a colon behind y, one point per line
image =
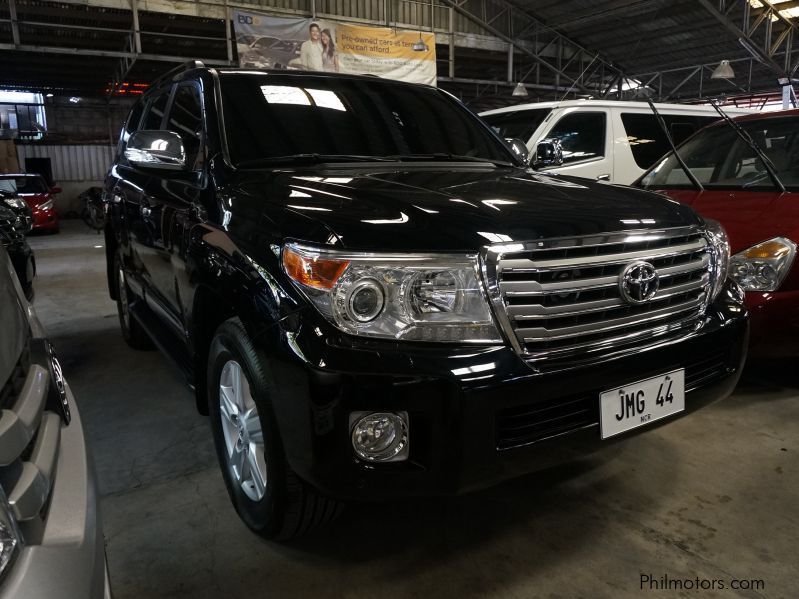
x: 26, y: 184
x: 281, y: 115
x: 519, y: 124
x: 8, y: 185
x: 718, y: 158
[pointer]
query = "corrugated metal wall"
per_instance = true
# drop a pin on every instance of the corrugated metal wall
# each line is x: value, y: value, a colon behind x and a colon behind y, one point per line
x: 71, y: 163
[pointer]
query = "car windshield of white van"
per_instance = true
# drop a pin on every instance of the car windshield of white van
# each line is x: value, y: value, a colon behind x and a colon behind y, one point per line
x: 719, y: 159
x: 519, y: 124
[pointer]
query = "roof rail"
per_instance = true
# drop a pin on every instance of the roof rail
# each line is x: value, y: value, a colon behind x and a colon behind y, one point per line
x: 172, y: 73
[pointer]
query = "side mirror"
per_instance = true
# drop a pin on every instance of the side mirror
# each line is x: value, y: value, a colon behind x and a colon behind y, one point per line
x: 156, y: 149
x: 549, y: 152
x: 56, y: 189
x: 518, y: 147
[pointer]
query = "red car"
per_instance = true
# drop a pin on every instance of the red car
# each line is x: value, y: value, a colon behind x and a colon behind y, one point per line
x: 39, y: 197
x: 759, y: 209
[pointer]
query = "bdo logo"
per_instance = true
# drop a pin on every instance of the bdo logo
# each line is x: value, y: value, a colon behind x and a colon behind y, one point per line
x: 249, y: 20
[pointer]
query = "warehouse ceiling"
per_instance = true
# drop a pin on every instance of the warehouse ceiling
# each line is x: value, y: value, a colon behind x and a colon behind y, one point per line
x: 667, y: 48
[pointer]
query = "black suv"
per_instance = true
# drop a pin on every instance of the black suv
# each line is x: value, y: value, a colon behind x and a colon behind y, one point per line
x: 374, y: 297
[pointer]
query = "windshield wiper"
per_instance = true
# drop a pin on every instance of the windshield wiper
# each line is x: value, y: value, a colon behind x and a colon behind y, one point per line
x: 445, y: 157
x: 772, y: 173
x: 309, y: 159
x: 667, y: 133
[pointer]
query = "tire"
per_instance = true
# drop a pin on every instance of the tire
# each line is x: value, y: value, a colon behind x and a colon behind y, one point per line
x: 279, y: 506
x: 132, y: 332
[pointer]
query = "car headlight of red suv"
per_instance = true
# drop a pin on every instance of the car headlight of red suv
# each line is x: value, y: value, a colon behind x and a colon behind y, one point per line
x: 763, y: 267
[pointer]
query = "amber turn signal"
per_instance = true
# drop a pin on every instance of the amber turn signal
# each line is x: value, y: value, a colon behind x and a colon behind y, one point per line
x: 312, y: 271
x: 766, y: 250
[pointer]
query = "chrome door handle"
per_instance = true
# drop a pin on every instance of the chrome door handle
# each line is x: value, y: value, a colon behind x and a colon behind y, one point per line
x: 603, y: 178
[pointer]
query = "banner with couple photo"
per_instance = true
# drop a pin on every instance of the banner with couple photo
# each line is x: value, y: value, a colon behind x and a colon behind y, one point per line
x: 265, y: 41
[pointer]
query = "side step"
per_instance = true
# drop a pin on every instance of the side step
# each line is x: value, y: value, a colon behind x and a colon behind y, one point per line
x: 167, y: 342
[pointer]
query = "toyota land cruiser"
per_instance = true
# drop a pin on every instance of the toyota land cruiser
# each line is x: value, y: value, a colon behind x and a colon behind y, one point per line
x: 373, y: 297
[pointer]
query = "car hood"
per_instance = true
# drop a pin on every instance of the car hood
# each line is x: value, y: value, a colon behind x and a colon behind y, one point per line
x: 34, y: 199
x: 13, y: 322
x: 435, y: 209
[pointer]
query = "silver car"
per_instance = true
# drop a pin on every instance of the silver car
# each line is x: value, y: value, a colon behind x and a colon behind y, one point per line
x: 51, y: 538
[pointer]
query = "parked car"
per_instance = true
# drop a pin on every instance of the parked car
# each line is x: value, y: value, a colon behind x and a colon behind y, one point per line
x: 374, y: 298
x: 762, y: 220
x: 50, y: 530
x: 39, y: 197
x: 12, y: 238
x: 267, y: 54
x: 11, y: 200
x: 601, y: 139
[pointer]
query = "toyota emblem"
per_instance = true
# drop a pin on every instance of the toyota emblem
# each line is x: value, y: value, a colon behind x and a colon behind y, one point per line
x: 639, y: 282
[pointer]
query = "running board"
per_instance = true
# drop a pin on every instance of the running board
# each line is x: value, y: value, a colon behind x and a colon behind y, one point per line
x: 168, y: 343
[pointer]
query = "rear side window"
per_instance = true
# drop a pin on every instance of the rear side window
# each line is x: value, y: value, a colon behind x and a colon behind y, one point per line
x: 186, y: 119
x: 520, y: 124
x: 155, y: 112
x: 582, y: 135
x: 646, y: 138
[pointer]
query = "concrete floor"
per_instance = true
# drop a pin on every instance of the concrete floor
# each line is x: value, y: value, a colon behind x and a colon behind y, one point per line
x: 712, y: 496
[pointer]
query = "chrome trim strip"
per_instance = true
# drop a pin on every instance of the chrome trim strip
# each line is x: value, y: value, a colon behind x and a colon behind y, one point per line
x: 529, y: 266
x: 542, y: 334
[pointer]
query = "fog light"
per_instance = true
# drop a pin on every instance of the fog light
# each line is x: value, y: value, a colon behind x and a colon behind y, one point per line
x: 380, y: 436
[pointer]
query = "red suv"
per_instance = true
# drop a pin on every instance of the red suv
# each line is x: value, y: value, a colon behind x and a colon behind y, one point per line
x: 759, y: 208
x: 39, y: 197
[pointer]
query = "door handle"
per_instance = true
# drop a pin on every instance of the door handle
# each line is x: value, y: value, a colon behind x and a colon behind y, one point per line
x: 604, y: 177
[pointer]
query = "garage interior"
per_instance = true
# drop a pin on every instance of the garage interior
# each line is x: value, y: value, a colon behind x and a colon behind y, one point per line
x: 711, y: 496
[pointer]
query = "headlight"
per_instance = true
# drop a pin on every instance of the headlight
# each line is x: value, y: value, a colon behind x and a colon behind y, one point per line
x: 16, y: 203
x: 10, y: 537
x: 720, y: 260
x: 409, y: 297
x: 48, y: 205
x: 763, y: 267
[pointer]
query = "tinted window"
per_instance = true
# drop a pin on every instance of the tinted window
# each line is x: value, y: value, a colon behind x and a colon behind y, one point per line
x: 647, y: 141
x: 280, y: 115
x: 520, y: 124
x: 582, y: 135
x: 155, y: 112
x: 31, y: 185
x: 719, y: 158
x: 186, y: 119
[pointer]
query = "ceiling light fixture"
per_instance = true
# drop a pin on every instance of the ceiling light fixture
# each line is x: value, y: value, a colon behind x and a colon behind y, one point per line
x: 519, y: 91
x: 723, y: 71
x: 419, y: 45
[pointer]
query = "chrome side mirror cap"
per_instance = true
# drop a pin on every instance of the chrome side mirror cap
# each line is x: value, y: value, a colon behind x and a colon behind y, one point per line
x: 549, y: 152
x: 519, y: 148
x: 156, y: 149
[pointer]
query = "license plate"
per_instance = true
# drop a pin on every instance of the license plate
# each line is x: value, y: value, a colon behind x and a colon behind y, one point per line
x: 640, y: 403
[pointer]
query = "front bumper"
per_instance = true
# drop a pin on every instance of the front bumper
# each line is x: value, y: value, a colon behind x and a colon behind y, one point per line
x: 775, y: 323
x: 64, y: 551
x: 461, y: 403
x: 45, y: 220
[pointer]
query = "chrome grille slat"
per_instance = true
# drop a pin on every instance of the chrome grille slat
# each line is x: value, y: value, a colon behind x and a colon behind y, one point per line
x: 537, y: 311
x: 531, y: 334
x: 526, y: 265
x: 561, y: 299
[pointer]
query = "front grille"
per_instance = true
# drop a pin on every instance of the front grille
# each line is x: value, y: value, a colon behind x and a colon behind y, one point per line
x: 562, y: 302
x: 530, y: 423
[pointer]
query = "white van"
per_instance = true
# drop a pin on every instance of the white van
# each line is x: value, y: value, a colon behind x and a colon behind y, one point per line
x: 602, y: 140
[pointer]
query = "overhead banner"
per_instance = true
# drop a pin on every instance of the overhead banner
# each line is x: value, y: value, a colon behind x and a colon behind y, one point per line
x: 270, y: 42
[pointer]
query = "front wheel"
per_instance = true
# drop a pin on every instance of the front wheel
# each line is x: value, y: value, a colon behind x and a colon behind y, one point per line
x: 268, y: 496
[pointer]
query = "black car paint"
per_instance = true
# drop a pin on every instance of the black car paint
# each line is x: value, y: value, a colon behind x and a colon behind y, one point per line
x: 12, y: 238
x: 201, y: 250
